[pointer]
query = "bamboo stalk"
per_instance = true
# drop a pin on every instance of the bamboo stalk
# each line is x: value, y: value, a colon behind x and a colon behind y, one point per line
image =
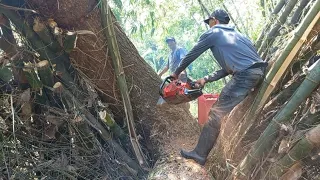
x: 288, y: 55
x: 301, y: 150
x: 114, y: 127
x: 309, y: 120
x: 44, y: 33
x: 7, y: 40
x: 61, y: 61
x: 274, y: 32
x: 297, y: 14
x: 94, y: 123
x: 232, y: 19
x: 32, y: 77
x: 294, y: 173
x: 269, y: 23
x: 306, y: 53
x: 245, y: 30
x: 264, y: 143
x: 36, y: 84
x: 204, y: 7
x: 263, y: 6
x: 5, y: 74
x: 45, y: 73
x: 280, y: 67
x: 284, y: 95
x: 9, y: 45
x: 279, y: 6
x: 57, y: 99
x: 109, y: 32
x: 46, y: 76
x: 69, y: 42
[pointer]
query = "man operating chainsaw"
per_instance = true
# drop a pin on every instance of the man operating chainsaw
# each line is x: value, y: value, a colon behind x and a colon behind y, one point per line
x: 174, y: 59
x: 237, y: 57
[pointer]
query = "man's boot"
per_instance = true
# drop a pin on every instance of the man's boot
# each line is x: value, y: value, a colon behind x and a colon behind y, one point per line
x: 206, y: 141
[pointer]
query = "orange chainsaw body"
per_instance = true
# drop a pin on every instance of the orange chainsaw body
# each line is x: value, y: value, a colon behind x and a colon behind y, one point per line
x: 177, y: 92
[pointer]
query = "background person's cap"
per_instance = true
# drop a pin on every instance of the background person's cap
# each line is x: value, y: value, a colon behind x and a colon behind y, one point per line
x: 219, y: 14
x: 170, y: 39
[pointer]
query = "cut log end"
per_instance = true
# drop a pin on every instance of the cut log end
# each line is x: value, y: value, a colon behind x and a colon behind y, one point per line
x: 58, y: 87
x: 294, y: 173
x: 38, y: 25
x: 43, y: 64
x: 313, y: 136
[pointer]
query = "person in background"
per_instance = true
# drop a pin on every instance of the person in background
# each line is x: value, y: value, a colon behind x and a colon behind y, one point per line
x: 174, y: 59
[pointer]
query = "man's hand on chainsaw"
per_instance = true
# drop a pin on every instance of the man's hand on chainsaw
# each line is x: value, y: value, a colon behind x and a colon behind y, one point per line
x: 201, y: 82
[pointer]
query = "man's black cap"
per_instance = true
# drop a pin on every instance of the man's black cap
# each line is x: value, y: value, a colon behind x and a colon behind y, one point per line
x: 219, y: 14
x: 170, y: 39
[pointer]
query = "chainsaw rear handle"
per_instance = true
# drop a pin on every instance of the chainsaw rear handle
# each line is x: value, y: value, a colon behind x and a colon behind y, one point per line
x: 166, y: 80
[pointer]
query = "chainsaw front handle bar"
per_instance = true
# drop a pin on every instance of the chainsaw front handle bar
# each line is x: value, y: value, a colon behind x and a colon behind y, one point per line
x: 166, y: 80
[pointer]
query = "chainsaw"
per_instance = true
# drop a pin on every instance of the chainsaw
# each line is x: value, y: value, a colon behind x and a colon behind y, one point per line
x: 177, y: 92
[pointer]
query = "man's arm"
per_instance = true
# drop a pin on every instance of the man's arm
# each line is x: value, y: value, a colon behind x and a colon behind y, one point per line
x: 216, y: 76
x: 204, y: 43
x: 182, y: 54
x: 164, y: 71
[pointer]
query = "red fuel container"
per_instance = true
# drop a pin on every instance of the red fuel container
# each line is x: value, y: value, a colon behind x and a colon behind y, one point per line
x: 205, y: 102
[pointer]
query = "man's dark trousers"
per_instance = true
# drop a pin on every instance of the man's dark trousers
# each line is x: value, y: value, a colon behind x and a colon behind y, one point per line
x: 231, y: 95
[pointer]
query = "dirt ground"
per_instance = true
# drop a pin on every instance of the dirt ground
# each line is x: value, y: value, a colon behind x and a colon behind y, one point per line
x: 177, y: 168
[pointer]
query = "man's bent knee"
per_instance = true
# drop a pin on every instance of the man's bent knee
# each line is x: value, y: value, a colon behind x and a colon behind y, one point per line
x: 214, y: 123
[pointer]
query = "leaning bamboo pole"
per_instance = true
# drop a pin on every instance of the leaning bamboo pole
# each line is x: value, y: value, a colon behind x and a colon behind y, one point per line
x: 284, y: 95
x: 301, y: 150
x: 278, y: 70
x: 280, y: 66
x: 109, y: 32
x: 288, y: 54
x: 265, y: 141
